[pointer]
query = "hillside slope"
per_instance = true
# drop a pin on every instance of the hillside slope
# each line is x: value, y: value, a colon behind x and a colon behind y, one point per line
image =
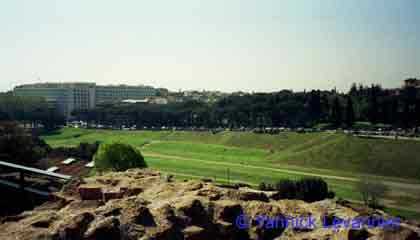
x: 336, y: 152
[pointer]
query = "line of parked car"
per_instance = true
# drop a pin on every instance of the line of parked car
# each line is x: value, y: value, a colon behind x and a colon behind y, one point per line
x: 411, y: 133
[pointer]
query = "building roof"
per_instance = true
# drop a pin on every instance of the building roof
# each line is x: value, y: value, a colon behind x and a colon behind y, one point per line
x: 74, y: 169
x: 135, y: 100
x: 68, y: 161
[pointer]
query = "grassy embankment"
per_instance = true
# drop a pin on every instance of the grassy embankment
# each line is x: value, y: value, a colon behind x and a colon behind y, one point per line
x: 252, y: 158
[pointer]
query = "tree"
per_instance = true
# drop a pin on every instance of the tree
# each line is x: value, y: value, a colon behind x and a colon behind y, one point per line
x: 265, y: 186
x: 353, y: 90
x: 349, y: 113
x: 286, y: 188
x: 417, y: 113
x: 32, y: 110
x: 118, y: 157
x: 371, y: 192
x: 311, y: 189
x: 373, y: 108
x: 336, y: 115
x: 20, y: 146
x: 407, y: 115
x: 315, y: 105
x: 308, y: 189
x: 283, y: 108
x: 3, y: 116
x: 394, y: 116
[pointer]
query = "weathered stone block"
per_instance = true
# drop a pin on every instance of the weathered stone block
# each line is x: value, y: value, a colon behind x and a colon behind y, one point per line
x: 90, y: 193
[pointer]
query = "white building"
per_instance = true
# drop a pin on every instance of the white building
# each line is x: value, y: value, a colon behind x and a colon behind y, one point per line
x: 67, y: 97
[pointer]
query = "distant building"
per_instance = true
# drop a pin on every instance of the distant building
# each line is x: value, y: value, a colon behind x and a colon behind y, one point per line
x: 146, y: 100
x: 412, y: 82
x: 162, y: 92
x: 159, y: 100
x: 67, y: 97
x: 116, y: 93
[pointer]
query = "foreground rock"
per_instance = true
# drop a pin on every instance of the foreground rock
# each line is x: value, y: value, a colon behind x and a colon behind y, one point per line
x: 141, y: 204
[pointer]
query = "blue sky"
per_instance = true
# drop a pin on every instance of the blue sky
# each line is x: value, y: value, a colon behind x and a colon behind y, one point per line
x: 226, y: 45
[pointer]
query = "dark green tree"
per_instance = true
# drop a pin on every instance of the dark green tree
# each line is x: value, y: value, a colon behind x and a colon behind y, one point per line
x: 336, y: 113
x: 349, y: 112
x: 394, y: 116
x: 118, y: 157
x: 311, y: 189
x: 20, y: 146
x: 417, y: 113
x: 286, y: 188
x: 353, y: 90
x: 315, y: 105
x: 373, y: 107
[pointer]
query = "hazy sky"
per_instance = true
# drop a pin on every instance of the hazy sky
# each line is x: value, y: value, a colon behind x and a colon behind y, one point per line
x: 227, y: 45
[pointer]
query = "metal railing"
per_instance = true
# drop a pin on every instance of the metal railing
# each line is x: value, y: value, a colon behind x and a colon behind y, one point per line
x: 29, y: 170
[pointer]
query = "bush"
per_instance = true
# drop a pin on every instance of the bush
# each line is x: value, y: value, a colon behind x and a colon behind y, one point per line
x: 371, y: 192
x: 286, y: 188
x: 265, y: 187
x: 311, y: 189
x: 331, y: 195
x: 118, y: 157
x: 306, y: 189
x: 262, y: 186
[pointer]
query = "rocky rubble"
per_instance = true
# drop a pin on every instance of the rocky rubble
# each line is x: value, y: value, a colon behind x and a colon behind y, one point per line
x: 142, y: 204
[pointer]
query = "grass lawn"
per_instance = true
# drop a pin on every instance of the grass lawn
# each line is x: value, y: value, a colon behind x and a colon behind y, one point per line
x: 335, y: 152
x: 253, y: 158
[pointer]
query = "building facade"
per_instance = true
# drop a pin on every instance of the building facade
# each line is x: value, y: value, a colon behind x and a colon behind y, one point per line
x: 412, y: 82
x: 117, y: 93
x: 68, y: 97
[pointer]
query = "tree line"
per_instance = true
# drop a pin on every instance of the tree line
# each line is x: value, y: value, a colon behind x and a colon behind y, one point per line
x: 20, y: 146
x: 398, y: 107
x: 33, y: 111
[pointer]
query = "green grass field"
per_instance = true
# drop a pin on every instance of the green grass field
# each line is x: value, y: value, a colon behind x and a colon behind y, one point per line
x: 252, y: 158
